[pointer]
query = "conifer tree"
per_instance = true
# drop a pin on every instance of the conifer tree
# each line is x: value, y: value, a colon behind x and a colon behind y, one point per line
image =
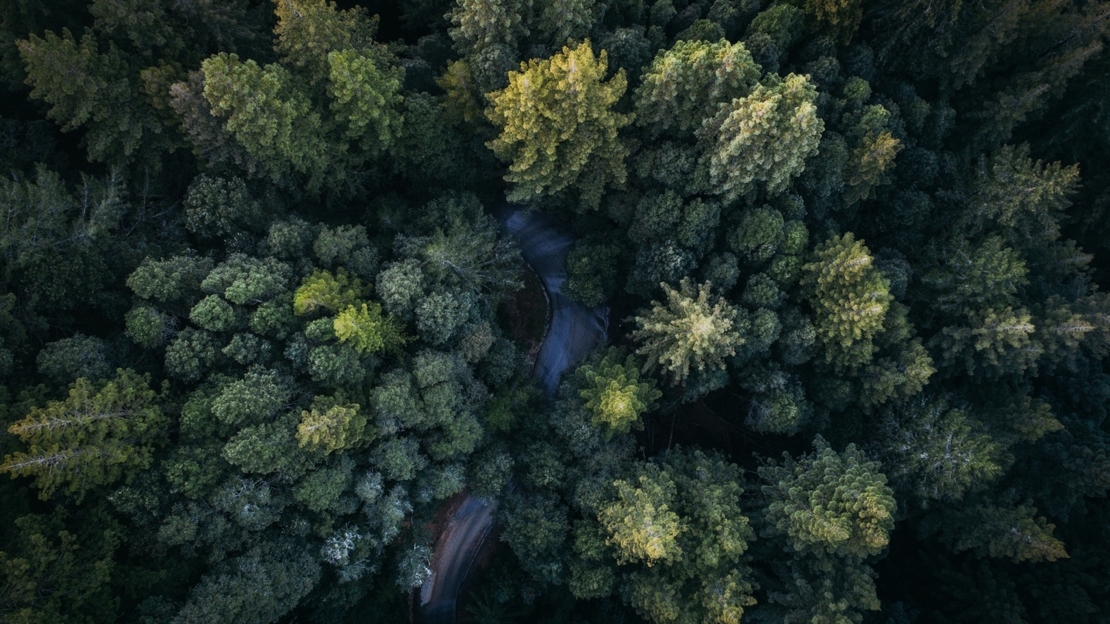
x: 765, y: 136
x: 614, y: 393
x: 693, y: 329
x: 830, y: 503
x: 94, y: 437
x: 685, y: 84
x: 850, y: 297
x: 558, y: 129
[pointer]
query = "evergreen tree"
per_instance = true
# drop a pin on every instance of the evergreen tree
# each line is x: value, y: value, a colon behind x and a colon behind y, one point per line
x: 685, y: 84
x: 614, y: 393
x: 765, y: 136
x: 558, y: 129
x: 829, y: 502
x: 93, y: 438
x: 850, y: 298
x: 691, y: 329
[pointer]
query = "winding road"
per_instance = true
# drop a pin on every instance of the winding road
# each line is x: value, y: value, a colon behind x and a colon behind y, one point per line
x: 572, y: 331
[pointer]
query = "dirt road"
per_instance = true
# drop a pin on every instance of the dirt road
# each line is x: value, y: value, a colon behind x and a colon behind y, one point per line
x: 573, y: 330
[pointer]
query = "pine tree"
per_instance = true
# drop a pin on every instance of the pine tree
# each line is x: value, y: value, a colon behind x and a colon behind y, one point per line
x: 90, y: 89
x: 830, y: 503
x: 270, y: 118
x: 482, y: 23
x: 614, y: 393
x: 938, y: 452
x: 850, y: 297
x: 368, y: 331
x: 765, y: 136
x: 558, y: 129
x: 324, y: 290
x: 96, y: 436
x: 693, y: 329
x: 685, y: 84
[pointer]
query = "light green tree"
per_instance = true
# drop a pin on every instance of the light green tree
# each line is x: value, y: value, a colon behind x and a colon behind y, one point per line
x: 692, y: 329
x: 558, y: 127
x: 271, y: 119
x: 327, y: 291
x: 614, y: 393
x: 765, y: 136
x: 331, y: 427
x: 367, y: 330
x: 365, y: 99
x: 830, y: 503
x: 685, y: 84
x: 850, y: 298
x: 869, y: 165
x: 639, y: 524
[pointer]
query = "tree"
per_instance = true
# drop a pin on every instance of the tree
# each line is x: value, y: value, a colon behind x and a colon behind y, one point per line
x: 685, y: 84
x: 53, y: 574
x: 829, y: 503
x: 272, y: 120
x: 765, y: 136
x: 1019, y: 197
x: 998, y: 530
x: 256, y: 587
x: 326, y: 291
x: 678, y: 532
x: 614, y: 393
x: 991, y: 342
x: 850, y: 298
x: 365, y: 99
x: 98, y: 435
x: 938, y: 452
x: 90, y: 89
x: 368, y: 331
x: 558, y: 129
x: 481, y: 23
x: 868, y: 164
x: 221, y: 206
x: 838, y: 18
x: 692, y: 329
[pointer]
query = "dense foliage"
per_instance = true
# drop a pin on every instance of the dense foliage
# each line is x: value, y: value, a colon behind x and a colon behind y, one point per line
x: 260, y: 325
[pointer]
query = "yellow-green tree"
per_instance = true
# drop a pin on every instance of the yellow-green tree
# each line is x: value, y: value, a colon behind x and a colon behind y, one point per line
x: 331, y: 426
x: 850, y: 298
x: 686, y: 84
x: 614, y: 393
x: 692, y: 329
x: 830, y: 503
x: 763, y: 137
x: 367, y: 330
x: 559, y: 131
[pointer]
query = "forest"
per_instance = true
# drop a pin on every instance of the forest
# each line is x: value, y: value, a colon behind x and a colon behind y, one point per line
x: 264, y: 327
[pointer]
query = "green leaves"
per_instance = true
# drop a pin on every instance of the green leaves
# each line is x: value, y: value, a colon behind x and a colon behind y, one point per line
x: 366, y: 99
x: 765, y: 136
x: 271, y: 119
x: 639, y: 524
x: 558, y: 129
x: 692, y: 329
x: 614, y: 393
x: 368, y: 331
x: 94, y: 437
x: 685, y: 85
x: 850, y: 298
x: 829, y: 502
